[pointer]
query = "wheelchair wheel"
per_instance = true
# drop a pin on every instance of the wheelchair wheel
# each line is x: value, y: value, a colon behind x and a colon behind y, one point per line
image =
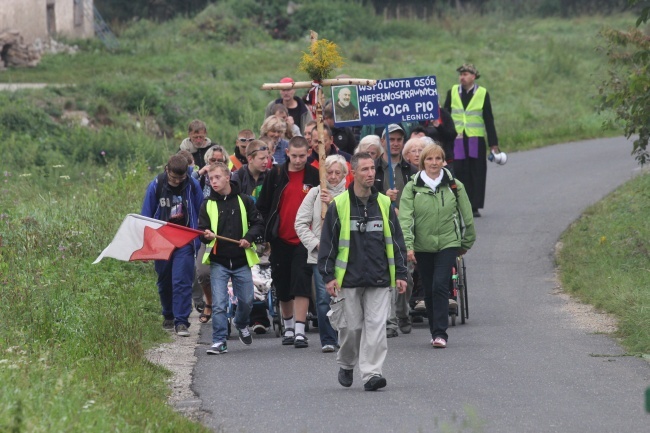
x: 274, y: 311
x: 453, y: 313
x: 462, y: 290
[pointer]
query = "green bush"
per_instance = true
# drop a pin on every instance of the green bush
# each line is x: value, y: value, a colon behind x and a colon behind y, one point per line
x: 336, y: 21
x: 18, y: 116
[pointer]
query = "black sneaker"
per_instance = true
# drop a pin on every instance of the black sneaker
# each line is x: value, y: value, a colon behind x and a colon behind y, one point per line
x: 182, y: 331
x: 391, y: 333
x: 217, y: 349
x: 346, y: 377
x: 375, y: 383
x: 404, y: 325
x: 258, y: 328
x: 245, y: 336
x: 168, y: 325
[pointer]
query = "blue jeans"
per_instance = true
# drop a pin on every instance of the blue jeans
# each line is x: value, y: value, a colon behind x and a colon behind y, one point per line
x: 175, y: 277
x: 242, y: 284
x: 327, y: 334
x: 435, y: 273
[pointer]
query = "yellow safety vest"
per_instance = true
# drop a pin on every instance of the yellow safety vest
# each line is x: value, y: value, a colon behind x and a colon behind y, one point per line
x: 213, y: 213
x: 470, y: 119
x: 343, y: 209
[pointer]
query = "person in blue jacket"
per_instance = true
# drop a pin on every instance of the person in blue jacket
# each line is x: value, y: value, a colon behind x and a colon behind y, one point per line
x: 175, y: 197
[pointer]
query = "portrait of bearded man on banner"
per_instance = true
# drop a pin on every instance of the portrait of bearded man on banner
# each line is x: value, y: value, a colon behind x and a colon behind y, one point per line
x: 346, y: 105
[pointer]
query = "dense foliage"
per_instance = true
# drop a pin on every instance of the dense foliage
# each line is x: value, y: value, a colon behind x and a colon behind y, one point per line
x: 627, y: 91
x: 276, y: 15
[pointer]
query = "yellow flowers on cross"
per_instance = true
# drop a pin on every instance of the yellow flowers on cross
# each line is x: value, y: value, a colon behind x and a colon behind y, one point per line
x: 322, y: 60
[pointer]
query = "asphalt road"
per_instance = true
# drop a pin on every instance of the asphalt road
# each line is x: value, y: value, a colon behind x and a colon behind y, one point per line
x: 520, y: 364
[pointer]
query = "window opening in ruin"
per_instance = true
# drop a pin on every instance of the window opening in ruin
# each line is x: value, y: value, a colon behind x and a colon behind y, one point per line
x: 78, y: 13
x: 51, y: 20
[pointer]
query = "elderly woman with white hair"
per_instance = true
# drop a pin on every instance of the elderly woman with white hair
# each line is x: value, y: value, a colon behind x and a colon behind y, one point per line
x: 308, y: 227
x: 372, y: 145
x: 412, y: 150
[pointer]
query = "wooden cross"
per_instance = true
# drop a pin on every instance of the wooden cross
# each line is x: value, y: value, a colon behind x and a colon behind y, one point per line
x: 313, y: 36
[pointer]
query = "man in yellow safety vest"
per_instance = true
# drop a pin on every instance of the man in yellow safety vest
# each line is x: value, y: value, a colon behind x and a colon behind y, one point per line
x: 362, y: 258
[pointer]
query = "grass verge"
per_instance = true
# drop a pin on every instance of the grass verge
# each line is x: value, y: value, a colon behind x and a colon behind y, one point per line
x: 605, y: 260
x: 72, y: 348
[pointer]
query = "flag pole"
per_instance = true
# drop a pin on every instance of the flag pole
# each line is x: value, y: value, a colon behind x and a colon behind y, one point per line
x: 201, y: 232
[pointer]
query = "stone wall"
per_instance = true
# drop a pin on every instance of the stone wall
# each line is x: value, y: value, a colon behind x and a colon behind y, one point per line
x: 14, y: 52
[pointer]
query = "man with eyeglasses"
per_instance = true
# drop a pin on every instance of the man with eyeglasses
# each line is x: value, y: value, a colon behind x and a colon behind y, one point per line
x: 361, y: 256
x: 175, y: 197
x: 239, y: 158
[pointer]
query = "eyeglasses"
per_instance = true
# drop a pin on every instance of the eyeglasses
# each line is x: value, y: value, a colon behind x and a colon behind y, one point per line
x: 364, y: 221
x: 176, y: 178
x: 261, y: 148
x: 245, y: 140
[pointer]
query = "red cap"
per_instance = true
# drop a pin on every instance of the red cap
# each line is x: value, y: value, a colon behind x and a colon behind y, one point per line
x: 287, y: 80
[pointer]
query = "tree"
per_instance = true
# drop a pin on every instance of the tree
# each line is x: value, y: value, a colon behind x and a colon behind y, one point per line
x: 627, y: 90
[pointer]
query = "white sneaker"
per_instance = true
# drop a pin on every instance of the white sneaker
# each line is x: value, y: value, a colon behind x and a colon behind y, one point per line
x: 439, y: 343
x: 328, y: 348
x: 419, y: 306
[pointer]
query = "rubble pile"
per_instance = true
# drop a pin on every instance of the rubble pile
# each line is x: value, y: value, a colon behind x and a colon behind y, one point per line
x: 15, y: 53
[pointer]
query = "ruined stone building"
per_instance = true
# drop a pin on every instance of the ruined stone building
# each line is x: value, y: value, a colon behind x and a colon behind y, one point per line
x: 27, y: 26
x: 40, y: 19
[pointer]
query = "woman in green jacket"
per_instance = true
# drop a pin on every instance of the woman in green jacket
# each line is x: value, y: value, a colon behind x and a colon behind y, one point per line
x: 436, y: 218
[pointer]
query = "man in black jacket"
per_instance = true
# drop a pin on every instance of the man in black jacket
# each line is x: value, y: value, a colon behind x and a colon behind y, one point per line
x: 284, y: 189
x: 359, y: 265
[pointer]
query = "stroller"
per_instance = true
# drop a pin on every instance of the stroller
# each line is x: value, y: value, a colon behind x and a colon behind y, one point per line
x: 263, y: 299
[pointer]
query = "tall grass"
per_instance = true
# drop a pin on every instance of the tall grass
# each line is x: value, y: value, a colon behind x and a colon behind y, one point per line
x: 605, y: 260
x: 72, y: 346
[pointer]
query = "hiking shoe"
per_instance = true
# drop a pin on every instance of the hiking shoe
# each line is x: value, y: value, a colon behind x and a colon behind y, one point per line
x: 168, y: 325
x: 345, y: 377
x: 439, y: 343
x: 375, y: 383
x: 258, y: 328
x: 390, y: 333
x: 328, y: 348
x: 182, y: 331
x: 288, y: 338
x: 300, y: 341
x: 217, y: 349
x: 245, y: 336
x: 404, y: 325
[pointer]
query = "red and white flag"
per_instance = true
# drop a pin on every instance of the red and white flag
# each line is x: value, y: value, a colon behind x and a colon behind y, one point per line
x: 142, y: 238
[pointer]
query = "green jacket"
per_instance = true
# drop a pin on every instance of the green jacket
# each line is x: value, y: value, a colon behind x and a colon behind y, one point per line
x: 433, y: 221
